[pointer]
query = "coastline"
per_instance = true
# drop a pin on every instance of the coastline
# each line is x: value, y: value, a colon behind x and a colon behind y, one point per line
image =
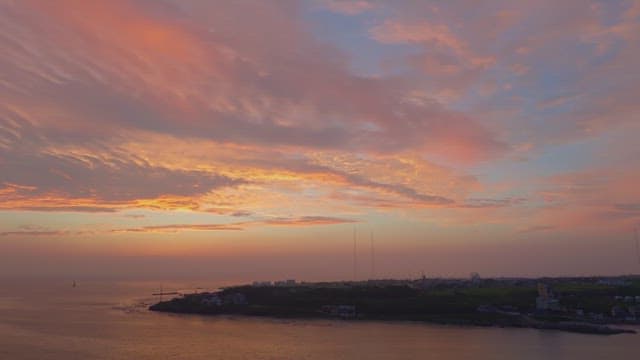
x: 385, y: 304
x: 573, y: 327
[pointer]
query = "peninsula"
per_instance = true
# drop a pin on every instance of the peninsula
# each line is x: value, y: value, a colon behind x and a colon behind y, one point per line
x: 584, y: 305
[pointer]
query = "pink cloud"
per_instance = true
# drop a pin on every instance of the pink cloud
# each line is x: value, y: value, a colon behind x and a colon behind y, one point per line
x: 215, y: 82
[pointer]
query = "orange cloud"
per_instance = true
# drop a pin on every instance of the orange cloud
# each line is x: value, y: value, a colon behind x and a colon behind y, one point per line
x: 179, y: 227
x: 281, y: 221
x: 308, y: 221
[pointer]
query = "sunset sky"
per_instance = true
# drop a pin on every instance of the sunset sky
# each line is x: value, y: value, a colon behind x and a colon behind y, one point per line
x: 247, y: 139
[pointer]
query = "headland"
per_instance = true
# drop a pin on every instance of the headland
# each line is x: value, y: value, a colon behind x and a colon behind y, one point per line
x: 592, y: 305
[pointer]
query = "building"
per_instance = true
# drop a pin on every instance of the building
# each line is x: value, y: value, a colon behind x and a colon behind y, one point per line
x: 347, y: 311
x: 487, y: 309
x: 544, y: 291
x: 475, y: 278
x: 342, y: 311
x: 546, y: 300
x: 618, y: 312
x: 613, y: 282
x: 288, y: 282
x: 235, y: 299
x: 212, y: 300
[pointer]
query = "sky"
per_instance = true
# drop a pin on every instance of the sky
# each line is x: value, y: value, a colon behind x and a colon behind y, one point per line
x: 250, y: 140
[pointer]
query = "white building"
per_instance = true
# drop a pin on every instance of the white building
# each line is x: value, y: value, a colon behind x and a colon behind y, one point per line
x: 212, y: 300
x: 289, y: 282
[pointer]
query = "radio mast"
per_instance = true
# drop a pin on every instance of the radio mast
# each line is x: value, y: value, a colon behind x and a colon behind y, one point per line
x: 373, y: 258
x: 355, y: 255
x: 637, y: 243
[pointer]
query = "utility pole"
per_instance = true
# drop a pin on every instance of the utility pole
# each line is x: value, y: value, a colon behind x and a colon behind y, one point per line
x: 355, y: 255
x: 637, y: 244
x: 373, y: 259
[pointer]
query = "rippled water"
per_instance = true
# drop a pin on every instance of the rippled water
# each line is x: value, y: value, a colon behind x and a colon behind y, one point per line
x: 103, y: 320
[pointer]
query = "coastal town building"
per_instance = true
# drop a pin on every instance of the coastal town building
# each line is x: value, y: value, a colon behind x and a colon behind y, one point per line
x: 613, y: 282
x: 342, y: 311
x: 288, y: 282
x: 235, y: 299
x: 546, y: 300
x: 212, y: 300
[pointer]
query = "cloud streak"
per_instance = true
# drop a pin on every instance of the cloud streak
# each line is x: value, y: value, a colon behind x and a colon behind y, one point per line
x: 281, y: 221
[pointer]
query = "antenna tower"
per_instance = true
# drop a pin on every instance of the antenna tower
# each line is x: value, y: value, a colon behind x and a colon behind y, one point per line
x: 637, y: 243
x: 373, y: 258
x: 355, y: 256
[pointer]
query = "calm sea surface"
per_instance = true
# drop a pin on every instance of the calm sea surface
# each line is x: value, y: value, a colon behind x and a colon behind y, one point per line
x: 107, y: 320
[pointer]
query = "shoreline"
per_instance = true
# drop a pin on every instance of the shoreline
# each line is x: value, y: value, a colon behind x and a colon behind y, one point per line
x: 462, y: 321
x: 579, y: 305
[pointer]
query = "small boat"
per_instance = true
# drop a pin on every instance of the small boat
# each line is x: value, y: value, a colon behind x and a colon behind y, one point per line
x: 74, y: 284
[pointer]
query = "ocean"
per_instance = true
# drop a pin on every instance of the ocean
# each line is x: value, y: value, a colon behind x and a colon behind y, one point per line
x: 109, y: 320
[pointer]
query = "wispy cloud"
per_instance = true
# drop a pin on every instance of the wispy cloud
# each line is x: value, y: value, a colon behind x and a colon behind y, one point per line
x: 308, y: 221
x: 279, y: 221
x: 537, y: 228
x: 35, y: 233
x: 178, y: 228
